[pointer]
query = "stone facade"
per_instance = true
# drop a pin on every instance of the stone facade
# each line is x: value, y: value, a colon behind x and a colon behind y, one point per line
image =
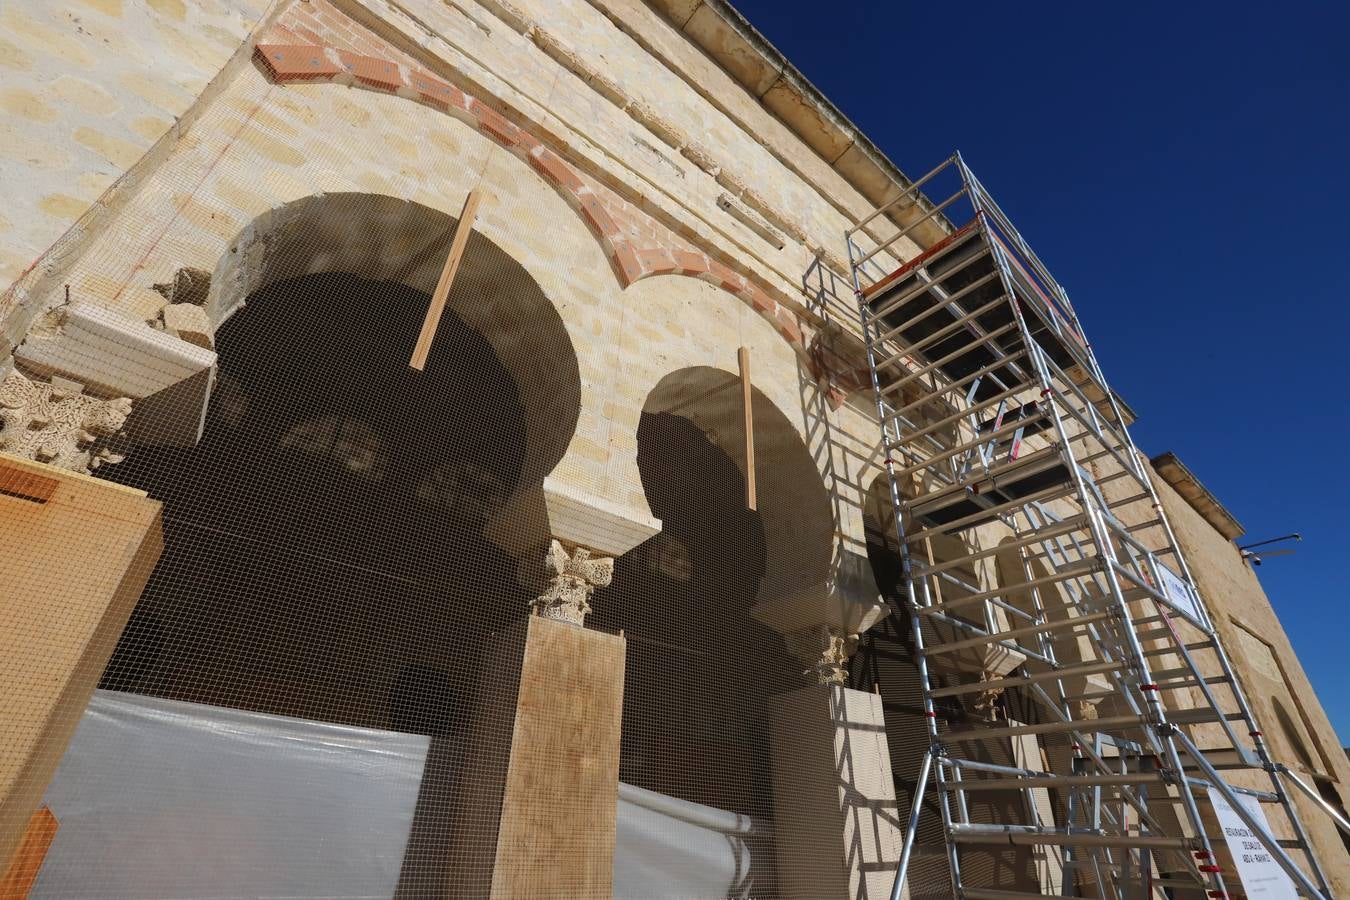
x: 664, y: 188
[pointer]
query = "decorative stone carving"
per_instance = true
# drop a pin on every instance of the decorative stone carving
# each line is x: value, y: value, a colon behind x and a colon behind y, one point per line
x: 112, y: 355
x: 987, y: 704
x: 57, y: 424
x: 832, y: 667
x: 572, y: 580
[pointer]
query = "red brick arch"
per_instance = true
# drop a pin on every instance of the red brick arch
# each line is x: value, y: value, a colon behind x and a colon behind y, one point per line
x: 656, y: 251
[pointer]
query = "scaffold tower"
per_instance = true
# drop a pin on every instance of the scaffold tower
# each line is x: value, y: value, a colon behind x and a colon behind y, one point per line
x: 1043, y: 589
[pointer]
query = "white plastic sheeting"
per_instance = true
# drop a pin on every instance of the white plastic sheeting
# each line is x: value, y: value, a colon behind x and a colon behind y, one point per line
x: 160, y: 798
x: 671, y: 848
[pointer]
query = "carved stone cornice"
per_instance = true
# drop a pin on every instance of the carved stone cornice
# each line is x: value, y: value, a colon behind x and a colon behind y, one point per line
x: 57, y: 424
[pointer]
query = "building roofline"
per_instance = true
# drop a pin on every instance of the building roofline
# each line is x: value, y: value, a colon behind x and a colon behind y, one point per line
x: 1175, y: 473
x: 754, y: 62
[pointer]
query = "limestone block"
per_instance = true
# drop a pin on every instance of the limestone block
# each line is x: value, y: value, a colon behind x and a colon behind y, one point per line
x: 190, y: 323
x: 836, y: 821
x: 722, y: 42
x: 168, y: 378
x: 579, y: 517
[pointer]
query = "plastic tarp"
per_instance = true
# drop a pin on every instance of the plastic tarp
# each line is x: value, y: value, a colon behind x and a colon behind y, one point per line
x: 161, y: 798
x: 667, y: 847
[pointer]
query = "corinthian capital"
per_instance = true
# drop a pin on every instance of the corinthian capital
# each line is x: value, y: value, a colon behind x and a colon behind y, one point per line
x: 572, y: 579
x: 58, y: 425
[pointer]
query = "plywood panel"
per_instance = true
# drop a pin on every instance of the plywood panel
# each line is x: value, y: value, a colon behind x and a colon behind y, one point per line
x: 73, y: 560
x: 556, y: 836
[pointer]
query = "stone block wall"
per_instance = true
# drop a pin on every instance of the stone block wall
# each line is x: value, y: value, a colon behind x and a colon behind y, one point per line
x: 667, y: 213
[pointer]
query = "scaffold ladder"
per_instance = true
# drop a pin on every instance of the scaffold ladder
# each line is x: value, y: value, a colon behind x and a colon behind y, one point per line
x: 1037, y: 563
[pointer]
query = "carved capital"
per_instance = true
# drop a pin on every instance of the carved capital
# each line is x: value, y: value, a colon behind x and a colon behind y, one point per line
x: 572, y: 579
x: 987, y: 704
x: 57, y: 424
x: 827, y: 648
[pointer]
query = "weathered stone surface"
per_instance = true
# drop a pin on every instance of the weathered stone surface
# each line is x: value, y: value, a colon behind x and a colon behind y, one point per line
x: 189, y: 285
x: 58, y: 425
x: 189, y: 322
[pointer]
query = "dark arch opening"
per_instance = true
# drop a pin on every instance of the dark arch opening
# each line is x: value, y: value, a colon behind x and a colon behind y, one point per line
x: 325, y: 538
x: 330, y: 549
x: 702, y: 671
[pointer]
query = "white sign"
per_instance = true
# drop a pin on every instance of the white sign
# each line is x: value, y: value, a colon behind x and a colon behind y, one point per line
x: 1262, y: 877
x: 1180, y: 594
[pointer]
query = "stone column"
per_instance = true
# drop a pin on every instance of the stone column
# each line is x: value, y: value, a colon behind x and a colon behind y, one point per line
x: 836, y: 821
x: 539, y: 797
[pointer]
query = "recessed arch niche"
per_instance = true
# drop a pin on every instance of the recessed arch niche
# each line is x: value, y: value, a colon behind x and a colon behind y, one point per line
x: 702, y: 671
x: 326, y: 553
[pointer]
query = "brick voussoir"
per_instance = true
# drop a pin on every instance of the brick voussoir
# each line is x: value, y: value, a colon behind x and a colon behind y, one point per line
x: 289, y: 62
x: 295, y: 62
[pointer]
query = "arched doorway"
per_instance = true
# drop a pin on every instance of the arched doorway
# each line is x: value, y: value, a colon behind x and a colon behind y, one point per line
x: 327, y: 551
x: 702, y: 670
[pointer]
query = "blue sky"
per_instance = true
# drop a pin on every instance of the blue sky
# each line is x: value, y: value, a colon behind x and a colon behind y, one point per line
x: 1184, y: 169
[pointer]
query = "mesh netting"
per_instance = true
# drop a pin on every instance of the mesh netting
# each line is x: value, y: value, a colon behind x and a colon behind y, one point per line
x: 315, y: 690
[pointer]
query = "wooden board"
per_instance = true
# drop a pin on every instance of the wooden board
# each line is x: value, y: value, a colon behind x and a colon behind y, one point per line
x: 747, y: 406
x: 556, y: 834
x: 463, y: 228
x: 17, y: 880
x: 73, y: 562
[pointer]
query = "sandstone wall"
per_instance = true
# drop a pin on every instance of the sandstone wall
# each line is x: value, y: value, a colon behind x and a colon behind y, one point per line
x: 1292, y: 719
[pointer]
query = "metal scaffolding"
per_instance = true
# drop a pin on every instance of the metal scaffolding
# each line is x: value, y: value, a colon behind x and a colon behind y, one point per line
x: 1040, y: 571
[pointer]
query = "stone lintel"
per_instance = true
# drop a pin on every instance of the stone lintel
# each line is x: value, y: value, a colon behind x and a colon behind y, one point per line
x: 582, y: 519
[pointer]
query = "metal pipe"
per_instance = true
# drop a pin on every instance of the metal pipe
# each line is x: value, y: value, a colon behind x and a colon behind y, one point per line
x: 912, y: 190
x: 1317, y: 798
x: 1272, y: 844
x: 912, y: 827
x: 912, y: 225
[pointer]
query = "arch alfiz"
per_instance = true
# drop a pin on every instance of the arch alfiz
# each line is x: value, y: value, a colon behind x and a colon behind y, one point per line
x: 604, y: 214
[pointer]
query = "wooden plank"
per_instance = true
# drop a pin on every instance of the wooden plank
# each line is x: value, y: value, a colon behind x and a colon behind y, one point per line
x: 17, y: 880
x: 559, y: 808
x: 463, y: 228
x: 72, y: 569
x: 25, y: 483
x: 747, y: 406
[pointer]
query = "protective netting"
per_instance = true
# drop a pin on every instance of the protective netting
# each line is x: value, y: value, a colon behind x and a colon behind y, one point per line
x: 315, y: 691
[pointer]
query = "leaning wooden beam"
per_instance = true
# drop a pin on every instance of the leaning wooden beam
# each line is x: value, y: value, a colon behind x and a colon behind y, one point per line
x: 743, y: 357
x: 17, y: 880
x: 433, y: 318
